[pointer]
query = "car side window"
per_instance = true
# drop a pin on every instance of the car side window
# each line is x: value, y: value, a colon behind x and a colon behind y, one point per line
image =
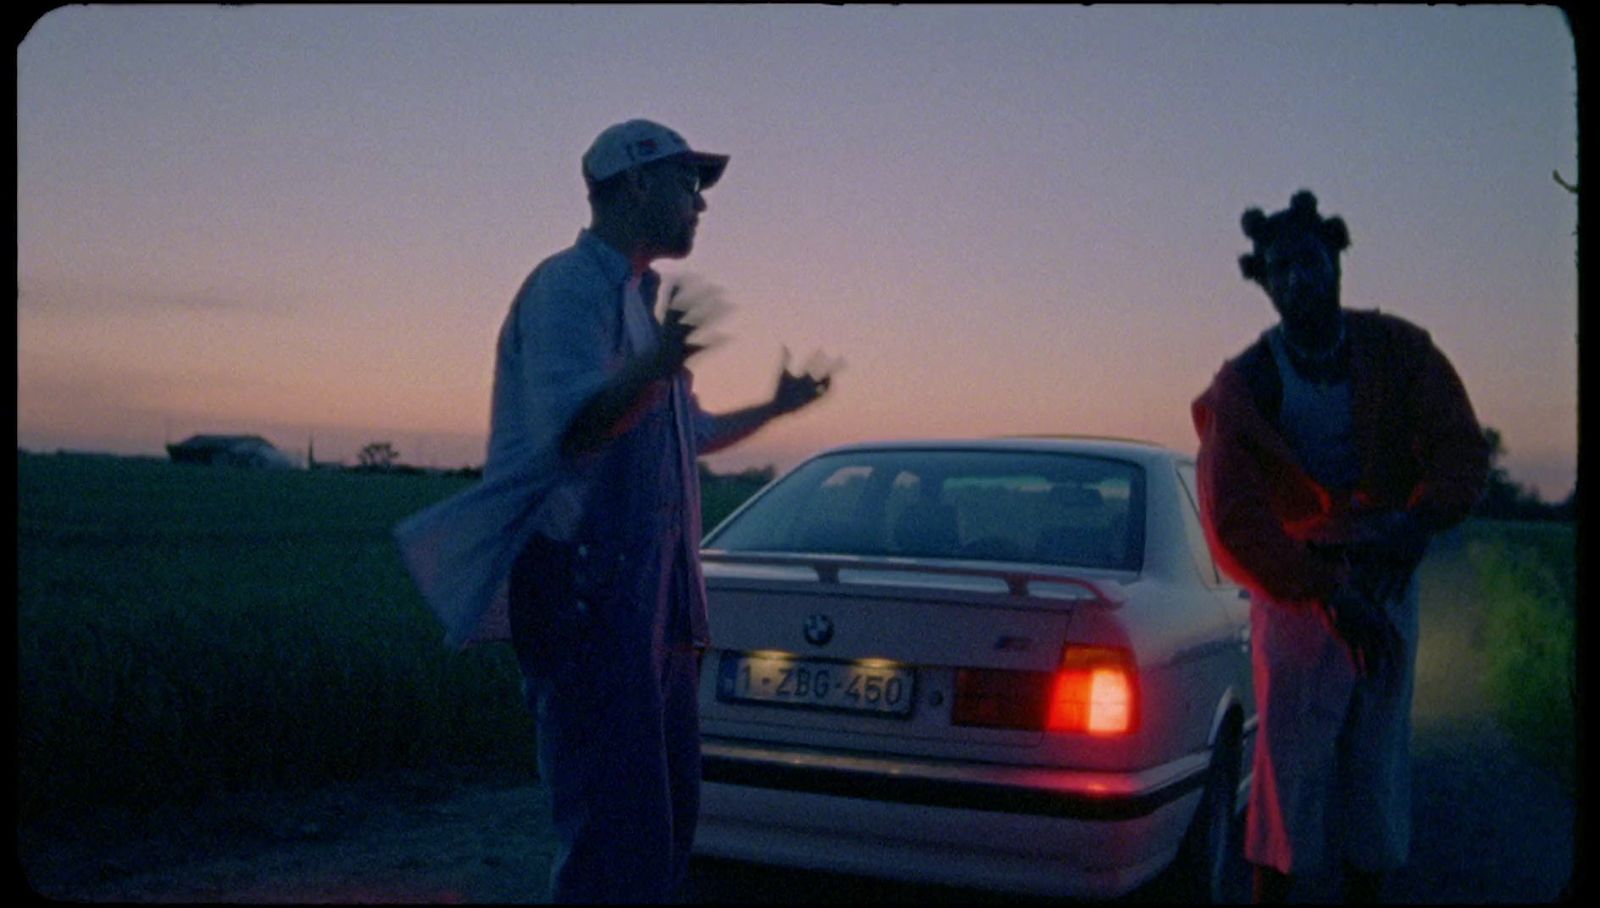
x: 1199, y: 548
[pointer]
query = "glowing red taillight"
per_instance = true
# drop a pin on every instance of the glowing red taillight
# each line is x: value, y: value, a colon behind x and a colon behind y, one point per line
x: 1094, y: 692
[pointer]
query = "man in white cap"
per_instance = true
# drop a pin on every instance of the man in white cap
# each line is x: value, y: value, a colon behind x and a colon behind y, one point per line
x: 581, y: 543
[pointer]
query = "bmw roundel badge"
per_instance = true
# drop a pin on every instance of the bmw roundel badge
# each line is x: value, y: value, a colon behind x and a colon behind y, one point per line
x: 819, y: 629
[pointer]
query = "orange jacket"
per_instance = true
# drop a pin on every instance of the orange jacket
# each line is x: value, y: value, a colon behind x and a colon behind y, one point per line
x: 1420, y: 445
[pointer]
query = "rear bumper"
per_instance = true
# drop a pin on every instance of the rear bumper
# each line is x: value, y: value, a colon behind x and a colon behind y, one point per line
x: 1031, y: 829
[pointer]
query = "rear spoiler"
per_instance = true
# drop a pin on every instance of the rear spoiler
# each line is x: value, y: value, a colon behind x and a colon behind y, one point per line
x: 1018, y: 582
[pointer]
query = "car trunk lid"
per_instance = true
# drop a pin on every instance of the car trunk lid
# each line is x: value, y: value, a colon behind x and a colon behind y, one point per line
x: 783, y: 623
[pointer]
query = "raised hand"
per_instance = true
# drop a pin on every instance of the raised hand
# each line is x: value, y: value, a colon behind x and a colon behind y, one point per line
x: 675, y: 346
x: 797, y: 389
x: 690, y: 305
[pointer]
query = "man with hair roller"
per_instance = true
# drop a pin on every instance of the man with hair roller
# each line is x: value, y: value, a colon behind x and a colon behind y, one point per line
x: 1331, y: 449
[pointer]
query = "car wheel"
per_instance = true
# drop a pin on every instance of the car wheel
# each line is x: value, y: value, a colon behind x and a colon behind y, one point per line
x: 1206, y: 856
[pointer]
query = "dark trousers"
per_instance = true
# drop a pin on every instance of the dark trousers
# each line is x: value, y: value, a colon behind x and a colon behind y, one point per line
x: 618, y: 733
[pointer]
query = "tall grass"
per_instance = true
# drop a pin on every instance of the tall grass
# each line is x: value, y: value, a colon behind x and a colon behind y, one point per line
x: 184, y: 630
x: 1528, y: 578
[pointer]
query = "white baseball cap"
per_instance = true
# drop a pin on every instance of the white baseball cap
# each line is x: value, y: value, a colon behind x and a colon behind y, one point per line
x: 638, y: 142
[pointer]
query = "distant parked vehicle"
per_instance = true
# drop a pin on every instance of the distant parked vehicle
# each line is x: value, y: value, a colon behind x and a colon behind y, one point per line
x: 1007, y: 663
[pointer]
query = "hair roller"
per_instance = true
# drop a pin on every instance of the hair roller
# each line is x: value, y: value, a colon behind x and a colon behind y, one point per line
x: 1252, y: 222
x: 1335, y: 234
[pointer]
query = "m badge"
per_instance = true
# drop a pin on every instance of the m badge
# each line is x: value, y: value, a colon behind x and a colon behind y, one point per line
x: 819, y: 630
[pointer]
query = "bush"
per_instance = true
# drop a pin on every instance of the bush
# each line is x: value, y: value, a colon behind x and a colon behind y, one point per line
x: 1529, y: 631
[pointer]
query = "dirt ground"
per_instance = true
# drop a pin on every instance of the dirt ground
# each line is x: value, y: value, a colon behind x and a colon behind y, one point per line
x: 1489, y: 826
x: 400, y: 839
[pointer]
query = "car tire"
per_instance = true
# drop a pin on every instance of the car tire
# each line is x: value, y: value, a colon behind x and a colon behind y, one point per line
x: 1206, y: 859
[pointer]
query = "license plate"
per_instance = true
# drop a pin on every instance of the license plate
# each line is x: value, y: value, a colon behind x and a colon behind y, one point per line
x: 816, y: 683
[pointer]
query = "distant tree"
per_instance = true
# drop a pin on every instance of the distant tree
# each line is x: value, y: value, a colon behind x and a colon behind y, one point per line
x: 756, y: 475
x: 762, y: 475
x: 1568, y: 509
x: 1504, y: 499
x: 378, y: 455
x: 1499, y: 492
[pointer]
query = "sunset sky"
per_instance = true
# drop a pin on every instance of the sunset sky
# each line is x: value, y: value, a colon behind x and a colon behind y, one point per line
x: 308, y: 221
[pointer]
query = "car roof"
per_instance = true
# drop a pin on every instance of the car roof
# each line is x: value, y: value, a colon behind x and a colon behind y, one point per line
x: 1123, y: 448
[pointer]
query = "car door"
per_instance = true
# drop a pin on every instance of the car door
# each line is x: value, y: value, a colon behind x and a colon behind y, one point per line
x: 1232, y: 600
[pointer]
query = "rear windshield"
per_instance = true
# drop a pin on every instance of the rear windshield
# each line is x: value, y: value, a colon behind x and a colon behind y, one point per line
x: 1060, y: 509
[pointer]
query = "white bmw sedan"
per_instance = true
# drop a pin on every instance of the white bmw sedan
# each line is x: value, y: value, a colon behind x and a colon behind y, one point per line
x: 1007, y: 663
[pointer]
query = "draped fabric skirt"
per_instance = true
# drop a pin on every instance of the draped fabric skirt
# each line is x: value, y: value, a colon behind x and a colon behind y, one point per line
x: 1332, y: 772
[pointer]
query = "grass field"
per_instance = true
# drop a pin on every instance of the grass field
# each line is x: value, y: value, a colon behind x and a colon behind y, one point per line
x: 186, y: 630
